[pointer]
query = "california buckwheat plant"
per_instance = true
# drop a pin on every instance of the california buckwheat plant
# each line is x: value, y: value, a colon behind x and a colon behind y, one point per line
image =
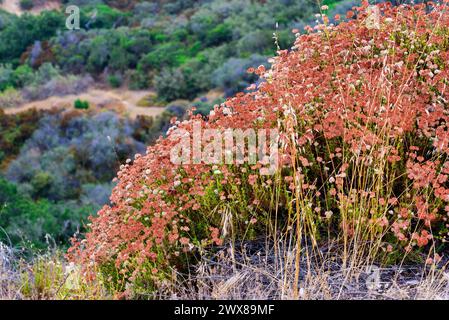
x: 361, y: 107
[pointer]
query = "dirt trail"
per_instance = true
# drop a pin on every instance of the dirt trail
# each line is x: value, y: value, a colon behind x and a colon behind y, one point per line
x: 126, y: 98
x: 13, y: 6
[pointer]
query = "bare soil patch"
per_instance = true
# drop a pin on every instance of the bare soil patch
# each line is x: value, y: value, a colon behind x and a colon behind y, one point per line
x: 96, y: 97
x: 13, y: 6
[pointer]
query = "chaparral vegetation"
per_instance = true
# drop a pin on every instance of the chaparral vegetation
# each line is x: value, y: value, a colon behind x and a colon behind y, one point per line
x: 357, y: 207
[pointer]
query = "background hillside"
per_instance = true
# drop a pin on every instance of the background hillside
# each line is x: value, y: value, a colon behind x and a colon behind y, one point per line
x: 74, y: 105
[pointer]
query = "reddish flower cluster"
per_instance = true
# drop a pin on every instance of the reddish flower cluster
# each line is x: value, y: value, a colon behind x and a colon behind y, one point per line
x: 364, y: 136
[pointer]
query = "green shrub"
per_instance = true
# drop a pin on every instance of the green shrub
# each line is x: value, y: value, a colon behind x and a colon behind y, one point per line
x: 106, y: 17
x: 169, y: 54
x: 22, y: 75
x: 41, y: 183
x: 27, y: 223
x: 219, y: 34
x: 6, y: 76
x: 171, y: 85
x: 26, y: 4
x: 15, y: 130
x: 10, y: 98
x: 80, y: 104
x: 138, y: 80
x: 115, y: 81
x: 21, y: 32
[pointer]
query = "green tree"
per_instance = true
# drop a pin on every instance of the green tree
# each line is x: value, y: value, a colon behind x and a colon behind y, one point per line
x: 23, y: 31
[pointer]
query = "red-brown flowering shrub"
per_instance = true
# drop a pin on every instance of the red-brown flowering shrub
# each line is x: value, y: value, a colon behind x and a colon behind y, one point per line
x: 362, y: 111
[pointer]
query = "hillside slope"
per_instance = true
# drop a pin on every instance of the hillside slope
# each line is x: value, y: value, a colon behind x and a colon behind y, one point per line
x: 126, y: 98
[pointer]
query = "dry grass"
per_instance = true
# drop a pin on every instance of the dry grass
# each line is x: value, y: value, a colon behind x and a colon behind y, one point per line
x: 251, y: 271
x: 45, y: 277
x: 8, y: 277
x: 243, y: 271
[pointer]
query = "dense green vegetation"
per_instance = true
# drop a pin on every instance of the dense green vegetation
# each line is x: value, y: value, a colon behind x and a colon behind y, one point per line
x: 181, y: 48
x: 14, y: 131
x: 37, y: 224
